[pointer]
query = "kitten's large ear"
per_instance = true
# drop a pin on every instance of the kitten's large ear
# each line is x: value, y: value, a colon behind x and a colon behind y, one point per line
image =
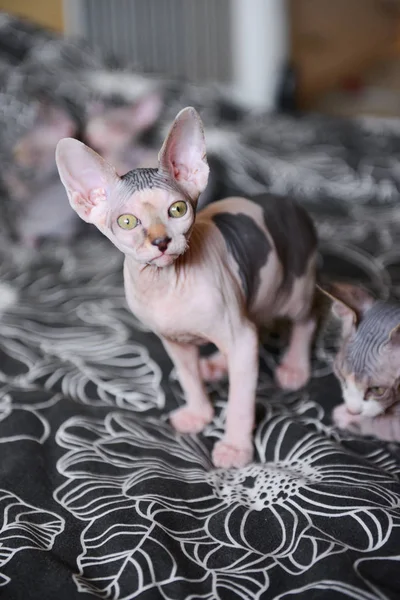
x: 350, y: 302
x: 87, y: 178
x: 183, y: 153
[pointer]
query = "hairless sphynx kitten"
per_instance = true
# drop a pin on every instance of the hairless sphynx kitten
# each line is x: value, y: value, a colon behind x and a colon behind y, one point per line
x: 215, y: 277
x: 367, y: 364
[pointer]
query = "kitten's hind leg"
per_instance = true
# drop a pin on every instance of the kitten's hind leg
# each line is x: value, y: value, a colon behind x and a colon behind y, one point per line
x: 214, y: 367
x: 294, y: 370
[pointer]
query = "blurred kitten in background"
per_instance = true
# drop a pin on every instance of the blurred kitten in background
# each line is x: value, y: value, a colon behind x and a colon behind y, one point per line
x: 367, y: 364
x: 37, y: 199
x: 114, y: 131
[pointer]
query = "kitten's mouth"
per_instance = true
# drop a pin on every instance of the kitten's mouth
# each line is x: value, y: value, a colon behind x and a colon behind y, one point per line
x: 163, y: 259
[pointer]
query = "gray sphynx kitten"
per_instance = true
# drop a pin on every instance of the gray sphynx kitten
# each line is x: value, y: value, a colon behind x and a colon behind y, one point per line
x: 367, y: 364
x: 215, y: 277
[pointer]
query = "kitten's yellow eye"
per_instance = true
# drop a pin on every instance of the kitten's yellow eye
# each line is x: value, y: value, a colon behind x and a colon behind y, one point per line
x: 377, y: 391
x: 178, y: 209
x: 127, y: 221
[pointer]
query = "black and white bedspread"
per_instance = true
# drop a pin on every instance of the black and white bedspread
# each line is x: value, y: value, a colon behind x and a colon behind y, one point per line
x: 99, y: 497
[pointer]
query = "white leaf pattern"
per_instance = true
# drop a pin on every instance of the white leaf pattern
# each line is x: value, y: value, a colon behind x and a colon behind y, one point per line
x: 89, y: 358
x: 24, y: 527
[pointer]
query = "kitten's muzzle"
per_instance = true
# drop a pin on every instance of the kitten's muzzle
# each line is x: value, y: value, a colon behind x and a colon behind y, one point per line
x: 161, y: 243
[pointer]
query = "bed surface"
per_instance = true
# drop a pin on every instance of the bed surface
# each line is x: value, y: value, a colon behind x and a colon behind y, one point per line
x: 100, y: 495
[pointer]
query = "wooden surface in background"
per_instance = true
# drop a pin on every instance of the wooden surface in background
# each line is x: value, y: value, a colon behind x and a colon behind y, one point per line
x: 48, y: 13
x: 336, y: 39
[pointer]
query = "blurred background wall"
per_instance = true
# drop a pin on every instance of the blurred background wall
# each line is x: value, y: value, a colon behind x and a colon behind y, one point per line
x: 337, y: 47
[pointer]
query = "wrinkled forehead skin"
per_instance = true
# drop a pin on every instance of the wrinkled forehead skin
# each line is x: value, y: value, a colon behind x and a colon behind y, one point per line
x: 148, y: 179
x: 369, y: 350
x: 138, y: 180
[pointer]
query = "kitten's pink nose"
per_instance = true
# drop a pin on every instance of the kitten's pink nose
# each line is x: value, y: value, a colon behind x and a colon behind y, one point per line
x: 161, y: 243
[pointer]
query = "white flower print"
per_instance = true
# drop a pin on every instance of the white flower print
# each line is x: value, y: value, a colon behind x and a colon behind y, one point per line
x: 145, y: 490
x: 21, y: 419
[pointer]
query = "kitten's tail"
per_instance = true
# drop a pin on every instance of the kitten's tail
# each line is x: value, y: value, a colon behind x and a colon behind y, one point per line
x: 8, y: 296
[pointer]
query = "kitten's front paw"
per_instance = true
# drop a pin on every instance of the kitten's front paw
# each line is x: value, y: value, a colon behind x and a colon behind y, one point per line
x: 343, y: 419
x: 292, y: 377
x: 226, y: 456
x: 185, y: 420
x: 214, y: 367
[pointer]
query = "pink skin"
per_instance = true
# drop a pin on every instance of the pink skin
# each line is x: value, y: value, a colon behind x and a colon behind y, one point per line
x: 190, y: 292
x: 384, y: 427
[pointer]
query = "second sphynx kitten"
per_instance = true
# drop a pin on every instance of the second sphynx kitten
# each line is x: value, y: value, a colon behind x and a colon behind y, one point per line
x: 367, y: 364
x: 213, y: 278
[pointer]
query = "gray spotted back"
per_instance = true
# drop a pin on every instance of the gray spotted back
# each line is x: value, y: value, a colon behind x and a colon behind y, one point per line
x: 292, y: 231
